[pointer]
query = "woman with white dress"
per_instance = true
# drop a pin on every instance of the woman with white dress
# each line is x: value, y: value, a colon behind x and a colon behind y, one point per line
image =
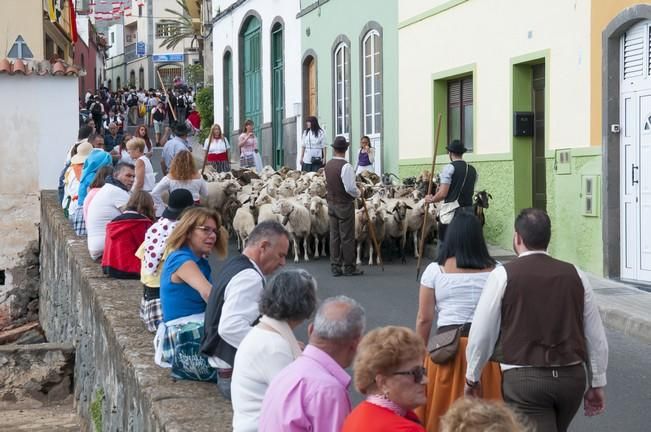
x: 287, y: 300
x: 218, y: 148
x: 145, y: 176
x: 313, y: 149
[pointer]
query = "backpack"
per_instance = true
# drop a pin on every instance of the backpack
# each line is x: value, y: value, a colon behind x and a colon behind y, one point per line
x: 132, y: 100
x: 180, y: 101
x: 96, y: 109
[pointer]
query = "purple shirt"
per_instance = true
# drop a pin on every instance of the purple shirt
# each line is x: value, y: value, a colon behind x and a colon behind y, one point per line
x: 311, y: 394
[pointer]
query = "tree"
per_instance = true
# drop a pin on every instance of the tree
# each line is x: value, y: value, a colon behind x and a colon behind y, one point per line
x: 194, y: 74
x: 183, y: 26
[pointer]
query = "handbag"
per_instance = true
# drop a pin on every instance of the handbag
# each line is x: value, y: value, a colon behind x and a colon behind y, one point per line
x: 316, y: 161
x: 442, y: 347
x: 448, y: 209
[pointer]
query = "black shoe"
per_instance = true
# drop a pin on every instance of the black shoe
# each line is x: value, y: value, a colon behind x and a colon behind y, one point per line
x: 353, y: 271
x: 336, y: 271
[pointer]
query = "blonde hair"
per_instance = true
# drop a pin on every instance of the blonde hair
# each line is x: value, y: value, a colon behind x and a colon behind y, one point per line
x: 192, y: 218
x: 212, y: 131
x: 182, y: 166
x: 382, y: 351
x: 477, y: 415
x: 142, y: 202
x: 136, y: 144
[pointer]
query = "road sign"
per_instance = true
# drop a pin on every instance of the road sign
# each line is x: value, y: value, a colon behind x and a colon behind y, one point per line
x: 165, y: 58
x: 141, y: 49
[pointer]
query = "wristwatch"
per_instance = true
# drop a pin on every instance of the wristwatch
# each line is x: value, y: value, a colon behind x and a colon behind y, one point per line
x: 471, y: 384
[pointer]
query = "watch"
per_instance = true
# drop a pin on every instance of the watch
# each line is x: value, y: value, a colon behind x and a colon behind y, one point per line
x: 471, y: 384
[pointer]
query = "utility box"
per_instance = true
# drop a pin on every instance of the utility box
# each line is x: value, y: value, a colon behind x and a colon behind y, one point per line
x: 522, y: 124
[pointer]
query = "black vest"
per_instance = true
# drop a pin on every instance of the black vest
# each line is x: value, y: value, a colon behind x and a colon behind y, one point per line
x: 456, y: 193
x: 212, y: 345
x: 336, y: 192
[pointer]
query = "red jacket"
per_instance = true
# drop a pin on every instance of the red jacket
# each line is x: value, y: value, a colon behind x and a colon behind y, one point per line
x: 372, y: 418
x: 124, y: 235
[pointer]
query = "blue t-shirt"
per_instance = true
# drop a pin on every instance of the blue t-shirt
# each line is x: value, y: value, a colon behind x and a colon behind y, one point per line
x: 180, y: 299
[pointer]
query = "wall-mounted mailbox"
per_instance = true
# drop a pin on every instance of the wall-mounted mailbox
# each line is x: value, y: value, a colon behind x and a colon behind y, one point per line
x: 523, y: 124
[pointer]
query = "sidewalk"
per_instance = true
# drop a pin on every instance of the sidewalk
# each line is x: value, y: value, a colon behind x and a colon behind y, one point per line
x: 623, y: 307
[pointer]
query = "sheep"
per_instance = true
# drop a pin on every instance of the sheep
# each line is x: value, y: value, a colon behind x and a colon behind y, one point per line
x: 218, y: 192
x: 480, y: 202
x: 317, y: 188
x: 228, y: 213
x: 243, y: 224
x: 396, y: 224
x: 287, y: 188
x: 320, y: 224
x: 415, y: 219
x: 378, y: 219
x: 296, y: 218
x: 361, y: 232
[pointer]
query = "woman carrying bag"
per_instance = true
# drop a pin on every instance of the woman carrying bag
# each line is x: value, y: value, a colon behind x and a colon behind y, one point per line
x: 218, y: 148
x: 313, y: 149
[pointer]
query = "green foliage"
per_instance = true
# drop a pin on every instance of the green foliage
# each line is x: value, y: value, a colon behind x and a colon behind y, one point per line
x: 204, y: 101
x: 96, y: 409
x: 194, y: 74
x: 180, y: 27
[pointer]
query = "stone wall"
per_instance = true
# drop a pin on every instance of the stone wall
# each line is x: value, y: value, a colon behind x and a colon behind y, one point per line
x: 115, y: 376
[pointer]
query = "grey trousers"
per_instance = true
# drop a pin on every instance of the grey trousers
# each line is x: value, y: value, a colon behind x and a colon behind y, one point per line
x: 342, y: 234
x: 549, y: 397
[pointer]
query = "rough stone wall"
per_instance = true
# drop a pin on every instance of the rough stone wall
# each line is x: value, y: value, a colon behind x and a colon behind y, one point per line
x: 115, y: 374
x: 35, y: 376
x: 18, y: 258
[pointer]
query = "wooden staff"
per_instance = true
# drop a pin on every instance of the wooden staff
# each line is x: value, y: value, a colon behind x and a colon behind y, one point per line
x: 205, y: 158
x: 167, y: 97
x: 371, y: 230
x: 429, y: 192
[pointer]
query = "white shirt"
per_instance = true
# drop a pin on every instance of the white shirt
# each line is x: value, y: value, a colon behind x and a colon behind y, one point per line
x: 240, y: 309
x: 261, y: 355
x: 486, y: 328
x: 313, y: 145
x: 217, y: 146
x: 103, y: 209
x: 348, y: 178
x: 150, y: 175
x: 457, y: 294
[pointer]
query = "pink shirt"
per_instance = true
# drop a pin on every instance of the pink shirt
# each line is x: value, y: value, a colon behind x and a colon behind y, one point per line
x: 311, y: 394
x: 89, y: 197
x: 250, y: 144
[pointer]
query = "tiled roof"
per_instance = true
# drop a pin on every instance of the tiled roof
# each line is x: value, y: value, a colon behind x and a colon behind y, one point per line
x: 21, y: 67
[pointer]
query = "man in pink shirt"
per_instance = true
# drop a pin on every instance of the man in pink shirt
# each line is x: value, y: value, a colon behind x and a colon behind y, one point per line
x: 311, y: 394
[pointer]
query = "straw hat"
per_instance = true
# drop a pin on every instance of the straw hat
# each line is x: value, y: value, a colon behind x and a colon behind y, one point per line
x: 83, y: 150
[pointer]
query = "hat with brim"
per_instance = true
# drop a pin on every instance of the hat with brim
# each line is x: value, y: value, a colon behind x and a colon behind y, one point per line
x: 83, y: 150
x: 179, y: 200
x: 340, y: 143
x: 456, y: 146
x: 182, y: 130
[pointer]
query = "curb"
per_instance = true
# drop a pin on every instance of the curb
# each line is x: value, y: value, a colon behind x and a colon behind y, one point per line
x: 631, y: 325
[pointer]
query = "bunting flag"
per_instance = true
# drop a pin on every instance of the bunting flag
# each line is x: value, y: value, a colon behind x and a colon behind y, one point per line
x: 127, y: 11
x: 73, y: 22
x: 51, y: 11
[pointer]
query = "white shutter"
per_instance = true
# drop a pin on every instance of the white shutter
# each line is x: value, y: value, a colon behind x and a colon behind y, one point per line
x: 634, y: 51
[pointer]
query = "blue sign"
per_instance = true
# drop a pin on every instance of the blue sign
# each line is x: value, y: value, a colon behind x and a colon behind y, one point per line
x: 141, y: 49
x: 164, y: 58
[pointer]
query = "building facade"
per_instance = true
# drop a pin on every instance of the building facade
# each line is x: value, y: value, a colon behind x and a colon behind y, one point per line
x: 540, y: 117
x: 349, y: 73
x: 90, y: 52
x: 256, y: 59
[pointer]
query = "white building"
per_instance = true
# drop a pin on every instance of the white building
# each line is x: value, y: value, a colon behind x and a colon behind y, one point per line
x: 115, y: 66
x: 257, y: 73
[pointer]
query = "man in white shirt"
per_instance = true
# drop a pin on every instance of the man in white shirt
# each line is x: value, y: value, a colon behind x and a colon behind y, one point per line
x: 538, y: 317
x: 232, y: 308
x: 107, y: 205
x: 342, y: 191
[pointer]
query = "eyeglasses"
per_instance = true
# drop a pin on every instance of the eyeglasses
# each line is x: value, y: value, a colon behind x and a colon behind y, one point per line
x: 418, y: 373
x: 207, y: 230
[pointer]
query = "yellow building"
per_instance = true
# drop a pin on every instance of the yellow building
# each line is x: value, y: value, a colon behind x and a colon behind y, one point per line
x: 28, y: 32
x: 573, y: 74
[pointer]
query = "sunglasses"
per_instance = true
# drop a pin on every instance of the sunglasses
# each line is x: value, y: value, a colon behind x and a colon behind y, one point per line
x: 207, y: 230
x: 418, y: 373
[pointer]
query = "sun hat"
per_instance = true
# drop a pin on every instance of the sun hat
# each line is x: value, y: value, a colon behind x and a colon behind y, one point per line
x: 83, y: 150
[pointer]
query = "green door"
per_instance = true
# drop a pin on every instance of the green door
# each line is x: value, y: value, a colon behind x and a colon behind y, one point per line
x: 277, y: 95
x: 228, y: 95
x: 252, y: 76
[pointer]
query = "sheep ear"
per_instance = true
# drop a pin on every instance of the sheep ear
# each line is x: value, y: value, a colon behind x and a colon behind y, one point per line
x: 408, y: 207
x: 246, y: 200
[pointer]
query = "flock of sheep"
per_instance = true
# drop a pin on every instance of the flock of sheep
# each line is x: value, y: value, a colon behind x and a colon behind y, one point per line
x: 297, y: 200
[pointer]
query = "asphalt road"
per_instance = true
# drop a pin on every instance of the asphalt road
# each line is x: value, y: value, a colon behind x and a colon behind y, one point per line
x: 391, y: 297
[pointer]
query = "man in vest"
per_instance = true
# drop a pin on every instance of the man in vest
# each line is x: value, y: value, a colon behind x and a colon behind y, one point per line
x: 457, y: 183
x: 342, y: 191
x: 232, y: 307
x: 538, y: 317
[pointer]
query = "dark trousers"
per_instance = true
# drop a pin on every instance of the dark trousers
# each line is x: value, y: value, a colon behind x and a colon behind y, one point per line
x: 342, y: 234
x: 305, y: 167
x: 550, y: 397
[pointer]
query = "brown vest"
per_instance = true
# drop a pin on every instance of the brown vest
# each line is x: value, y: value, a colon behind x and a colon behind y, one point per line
x: 336, y: 192
x: 542, y: 314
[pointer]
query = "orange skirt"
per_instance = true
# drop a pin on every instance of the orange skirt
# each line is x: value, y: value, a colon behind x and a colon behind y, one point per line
x: 445, y: 384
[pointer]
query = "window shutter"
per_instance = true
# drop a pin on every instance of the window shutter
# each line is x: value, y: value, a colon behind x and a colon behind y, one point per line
x: 454, y: 94
x: 634, y: 52
x: 466, y: 92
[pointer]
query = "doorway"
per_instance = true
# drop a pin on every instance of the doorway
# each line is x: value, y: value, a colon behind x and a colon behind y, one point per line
x: 228, y: 94
x: 538, y: 175
x: 251, y: 90
x: 309, y: 87
x: 277, y: 94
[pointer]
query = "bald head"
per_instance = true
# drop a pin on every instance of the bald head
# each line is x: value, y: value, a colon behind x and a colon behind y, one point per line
x: 338, y: 319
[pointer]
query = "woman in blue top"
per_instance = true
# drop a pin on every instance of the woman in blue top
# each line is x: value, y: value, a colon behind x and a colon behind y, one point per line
x: 185, y: 286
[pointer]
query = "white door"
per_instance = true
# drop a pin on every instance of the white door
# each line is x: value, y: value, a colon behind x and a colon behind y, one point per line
x: 635, y: 154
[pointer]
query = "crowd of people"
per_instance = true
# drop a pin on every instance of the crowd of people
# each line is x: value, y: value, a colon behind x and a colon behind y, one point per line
x: 527, y: 333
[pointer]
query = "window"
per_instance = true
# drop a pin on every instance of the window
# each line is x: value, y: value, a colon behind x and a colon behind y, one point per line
x: 372, y: 71
x: 20, y: 49
x: 342, y: 89
x: 132, y: 78
x: 141, y: 78
x: 139, y: 10
x: 118, y: 83
x: 164, y: 30
x: 460, y: 111
x: 112, y: 38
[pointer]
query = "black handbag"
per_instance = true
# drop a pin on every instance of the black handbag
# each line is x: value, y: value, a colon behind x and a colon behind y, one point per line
x: 316, y: 161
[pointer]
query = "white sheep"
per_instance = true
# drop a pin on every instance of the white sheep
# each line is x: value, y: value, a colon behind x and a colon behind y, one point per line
x: 415, y: 219
x: 296, y: 218
x: 243, y: 224
x: 218, y: 192
x: 320, y: 224
x: 396, y: 223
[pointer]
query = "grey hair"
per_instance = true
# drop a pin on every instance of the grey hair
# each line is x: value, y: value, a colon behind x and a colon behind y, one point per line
x: 289, y: 295
x: 347, y: 327
x: 267, y: 230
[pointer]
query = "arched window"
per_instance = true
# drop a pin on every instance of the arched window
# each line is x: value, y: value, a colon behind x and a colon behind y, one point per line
x: 132, y: 78
x: 342, y: 89
x: 372, y: 84
x: 118, y: 83
x: 141, y: 78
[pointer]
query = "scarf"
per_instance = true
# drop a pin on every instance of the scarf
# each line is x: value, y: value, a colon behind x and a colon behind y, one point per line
x: 283, y: 329
x: 95, y: 160
x: 115, y: 182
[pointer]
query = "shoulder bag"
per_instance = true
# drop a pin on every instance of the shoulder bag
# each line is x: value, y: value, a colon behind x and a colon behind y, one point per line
x: 448, y: 209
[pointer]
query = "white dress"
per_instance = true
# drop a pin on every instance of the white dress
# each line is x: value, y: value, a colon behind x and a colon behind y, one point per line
x: 150, y: 175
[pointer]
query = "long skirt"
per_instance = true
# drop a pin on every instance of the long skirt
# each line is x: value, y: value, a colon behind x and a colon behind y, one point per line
x: 445, y: 384
x: 221, y: 166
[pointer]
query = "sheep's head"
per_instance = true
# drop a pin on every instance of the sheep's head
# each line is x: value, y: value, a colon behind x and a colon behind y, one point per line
x: 399, y: 210
x: 316, y: 205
